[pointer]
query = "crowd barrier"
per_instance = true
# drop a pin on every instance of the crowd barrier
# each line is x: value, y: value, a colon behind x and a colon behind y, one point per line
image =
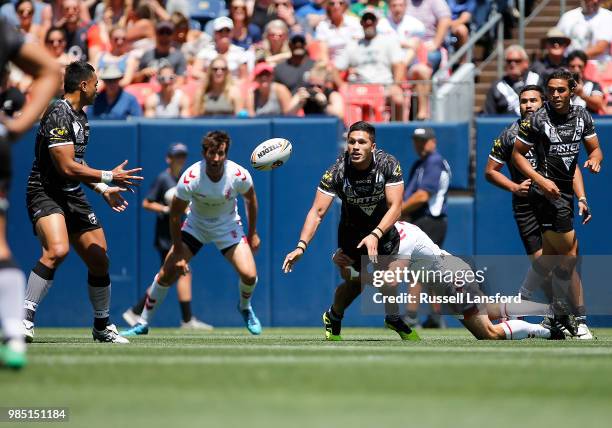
x: 285, y: 196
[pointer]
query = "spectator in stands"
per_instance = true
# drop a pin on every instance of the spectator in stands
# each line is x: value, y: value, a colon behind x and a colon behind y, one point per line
x: 181, y: 30
x: 244, y: 33
x: 162, y: 54
x: 189, y: 41
x: 316, y: 97
x: 141, y: 26
x: 462, y: 12
x: 263, y: 12
x: 75, y: 29
x: 25, y: 14
x: 590, y: 28
x: 58, y: 11
x: 376, y: 59
x: 407, y: 29
x: 120, y: 55
x: 270, y: 98
x: 55, y: 42
x: 337, y: 30
x: 218, y: 95
x: 424, y: 203
x: 42, y: 18
x: 502, y: 97
x: 380, y: 6
x: 169, y: 102
x: 291, y: 72
x: 113, y: 103
x: 436, y: 16
x: 587, y: 93
x: 311, y: 15
x: 275, y: 46
x: 237, y: 58
x: 117, y: 11
x: 555, y: 45
x: 286, y: 13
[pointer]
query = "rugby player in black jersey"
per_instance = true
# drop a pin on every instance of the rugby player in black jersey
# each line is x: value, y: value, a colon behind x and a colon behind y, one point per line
x: 58, y: 208
x: 369, y: 182
x: 46, y: 78
x: 555, y: 132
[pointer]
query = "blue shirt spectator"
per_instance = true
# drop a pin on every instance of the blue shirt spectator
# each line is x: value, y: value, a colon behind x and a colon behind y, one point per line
x: 119, y: 107
x: 457, y: 7
x: 7, y: 10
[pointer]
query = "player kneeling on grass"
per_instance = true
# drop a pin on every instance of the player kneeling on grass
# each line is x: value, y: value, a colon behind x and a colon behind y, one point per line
x: 419, y: 253
x: 211, y: 187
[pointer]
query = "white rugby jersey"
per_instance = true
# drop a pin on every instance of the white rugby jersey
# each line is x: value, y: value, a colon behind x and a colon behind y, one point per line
x: 213, y: 202
x: 415, y: 243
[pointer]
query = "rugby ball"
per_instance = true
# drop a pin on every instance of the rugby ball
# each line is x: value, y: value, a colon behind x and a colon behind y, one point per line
x: 271, y: 154
x: 169, y: 195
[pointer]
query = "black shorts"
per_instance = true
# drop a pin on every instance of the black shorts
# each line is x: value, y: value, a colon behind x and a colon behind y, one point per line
x: 5, y: 176
x: 434, y: 227
x: 349, y: 238
x: 528, y: 226
x: 557, y: 215
x: 75, y: 208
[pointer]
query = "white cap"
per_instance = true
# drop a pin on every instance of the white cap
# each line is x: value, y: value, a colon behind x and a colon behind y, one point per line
x: 222, y: 22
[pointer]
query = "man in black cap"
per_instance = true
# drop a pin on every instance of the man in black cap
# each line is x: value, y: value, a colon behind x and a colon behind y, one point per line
x: 291, y: 72
x: 161, y: 55
x: 158, y: 201
x: 425, y: 200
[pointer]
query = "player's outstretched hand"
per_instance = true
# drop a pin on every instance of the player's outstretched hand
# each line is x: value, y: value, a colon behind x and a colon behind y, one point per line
x: 126, y: 178
x: 523, y: 188
x: 371, y: 243
x: 593, y: 165
x: 254, y: 242
x: 341, y: 259
x: 584, y: 211
x: 550, y: 189
x: 113, y: 198
x: 291, y: 259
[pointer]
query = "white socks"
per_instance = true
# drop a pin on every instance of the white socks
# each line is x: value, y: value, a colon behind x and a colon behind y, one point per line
x: 246, y: 291
x: 518, y: 330
x: 155, y: 296
x: 12, y: 286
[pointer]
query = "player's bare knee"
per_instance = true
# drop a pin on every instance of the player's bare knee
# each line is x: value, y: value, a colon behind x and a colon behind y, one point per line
x: 56, y: 253
x: 249, y: 278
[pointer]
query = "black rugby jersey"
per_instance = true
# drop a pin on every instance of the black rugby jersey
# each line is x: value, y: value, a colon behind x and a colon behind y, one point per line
x: 60, y: 126
x: 362, y: 192
x: 556, y: 140
x: 501, y: 152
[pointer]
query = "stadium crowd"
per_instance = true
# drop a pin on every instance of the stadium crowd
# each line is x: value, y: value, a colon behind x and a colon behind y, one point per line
x: 250, y: 58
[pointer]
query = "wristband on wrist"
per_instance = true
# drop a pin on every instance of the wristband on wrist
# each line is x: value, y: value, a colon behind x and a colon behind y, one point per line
x: 374, y: 235
x: 380, y: 230
x: 583, y: 199
x: 302, y: 245
x: 107, y: 177
x: 101, y: 188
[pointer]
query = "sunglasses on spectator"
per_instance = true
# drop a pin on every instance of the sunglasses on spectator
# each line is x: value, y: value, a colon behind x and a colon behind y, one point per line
x: 514, y: 60
x: 118, y: 39
x: 335, y: 3
x: 224, y: 31
x: 165, y: 32
x: 215, y: 69
x: 166, y: 79
x: 557, y: 41
x: 25, y: 12
x: 56, y: 41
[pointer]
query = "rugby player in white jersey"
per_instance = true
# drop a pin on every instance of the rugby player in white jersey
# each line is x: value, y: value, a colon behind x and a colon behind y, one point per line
x: 210, y: 188
x: 420, y: 253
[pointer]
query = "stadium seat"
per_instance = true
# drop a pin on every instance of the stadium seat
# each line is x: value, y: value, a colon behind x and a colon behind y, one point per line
x: 314, y: 50
x: 364, y: 102
x: 206, y: 10
x: 141, y: 91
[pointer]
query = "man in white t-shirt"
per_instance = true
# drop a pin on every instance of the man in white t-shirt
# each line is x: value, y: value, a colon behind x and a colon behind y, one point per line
x: 210, y: 189
x: 421, y: 256
x: 337, y: 30
x: 590, y: 28
x: 376, y: 59
x: 408, y: 30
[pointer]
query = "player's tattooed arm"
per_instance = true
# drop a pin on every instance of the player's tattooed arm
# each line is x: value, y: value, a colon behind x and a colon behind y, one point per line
x: 250, y: 204
x: 319, y: 208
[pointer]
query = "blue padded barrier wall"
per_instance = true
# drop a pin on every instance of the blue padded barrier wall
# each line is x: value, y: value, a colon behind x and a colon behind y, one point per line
x: 67, y: 303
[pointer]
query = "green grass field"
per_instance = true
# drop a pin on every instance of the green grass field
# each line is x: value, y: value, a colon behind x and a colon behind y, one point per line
x: 292, y: 378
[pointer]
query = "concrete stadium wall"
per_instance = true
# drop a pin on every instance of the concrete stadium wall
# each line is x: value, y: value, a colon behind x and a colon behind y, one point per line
x: 284, y: 197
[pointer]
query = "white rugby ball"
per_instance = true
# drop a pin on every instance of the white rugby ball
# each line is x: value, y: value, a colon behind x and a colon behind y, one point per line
x: 271, y: 154
x: 169, y: 195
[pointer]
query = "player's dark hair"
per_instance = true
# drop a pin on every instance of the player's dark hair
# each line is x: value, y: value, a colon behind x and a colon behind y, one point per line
x: 577, y: 54
x: 563, y: 74
x: 536, y: 88
x: 365, y: 127
x: 215, y: 139
x: 77, y: 72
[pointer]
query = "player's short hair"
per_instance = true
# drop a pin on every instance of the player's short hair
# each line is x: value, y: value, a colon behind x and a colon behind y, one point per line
x: 77, y: 72
x: 363, y: 126
x: 577, y: 54
x: 536, y: 88
x: 215, y: 139
x: 563, y: 74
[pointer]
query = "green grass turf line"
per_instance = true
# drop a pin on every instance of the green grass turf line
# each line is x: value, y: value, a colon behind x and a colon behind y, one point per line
x: 292, y: 378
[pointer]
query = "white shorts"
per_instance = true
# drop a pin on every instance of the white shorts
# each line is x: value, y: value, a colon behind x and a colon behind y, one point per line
x: 223, y: 235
